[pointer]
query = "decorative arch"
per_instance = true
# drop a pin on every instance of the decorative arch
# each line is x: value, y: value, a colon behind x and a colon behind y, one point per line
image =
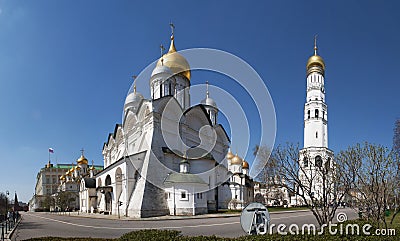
x: 108, y: 180
x: 318, y: 161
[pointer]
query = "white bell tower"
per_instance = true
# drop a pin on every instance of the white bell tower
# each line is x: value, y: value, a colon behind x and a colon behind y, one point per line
x: 315, y: 108
x: 316, y: 158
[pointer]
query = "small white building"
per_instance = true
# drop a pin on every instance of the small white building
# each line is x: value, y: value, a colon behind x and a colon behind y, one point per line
x: 185, y: 192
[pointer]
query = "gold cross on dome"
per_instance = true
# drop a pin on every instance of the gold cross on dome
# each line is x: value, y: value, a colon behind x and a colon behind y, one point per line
x: 172, y: 27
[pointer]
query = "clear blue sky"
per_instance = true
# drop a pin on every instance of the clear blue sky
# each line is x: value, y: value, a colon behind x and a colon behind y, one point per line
x: 65, y: 68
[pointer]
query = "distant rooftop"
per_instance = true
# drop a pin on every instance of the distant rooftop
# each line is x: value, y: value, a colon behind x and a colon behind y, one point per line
x: 69, y: 166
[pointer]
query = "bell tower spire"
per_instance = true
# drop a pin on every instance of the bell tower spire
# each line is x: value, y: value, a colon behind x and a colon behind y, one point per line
x: 315, y: 109
x: 315, y: 45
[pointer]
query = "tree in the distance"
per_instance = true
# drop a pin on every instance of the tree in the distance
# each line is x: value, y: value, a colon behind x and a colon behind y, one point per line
x: 396, y: 150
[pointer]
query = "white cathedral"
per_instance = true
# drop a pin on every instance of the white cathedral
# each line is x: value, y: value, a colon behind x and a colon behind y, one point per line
x: 168, y: 157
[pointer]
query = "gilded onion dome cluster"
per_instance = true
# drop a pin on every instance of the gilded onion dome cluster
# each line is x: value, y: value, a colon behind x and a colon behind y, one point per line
x: 78, y: 170
x: 237, y: 160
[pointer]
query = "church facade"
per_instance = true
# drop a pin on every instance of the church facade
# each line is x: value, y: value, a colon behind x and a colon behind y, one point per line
x: 167, y: 157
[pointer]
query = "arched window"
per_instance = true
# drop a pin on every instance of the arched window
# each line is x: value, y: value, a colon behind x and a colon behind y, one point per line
x: 305, y: 162
x: 318, y: 161
x: 108, y: 180
x: 308, y: 113
x: 316, y: 113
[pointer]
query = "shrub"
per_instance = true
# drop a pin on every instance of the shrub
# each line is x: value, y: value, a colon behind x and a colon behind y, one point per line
x: 152, y: 235
x: 67, y: 239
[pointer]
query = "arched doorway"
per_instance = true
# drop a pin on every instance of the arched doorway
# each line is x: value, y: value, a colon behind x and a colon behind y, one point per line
x: 108, y: 200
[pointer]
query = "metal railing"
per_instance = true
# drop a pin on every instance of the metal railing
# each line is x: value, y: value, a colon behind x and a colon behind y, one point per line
x: 6, y: 228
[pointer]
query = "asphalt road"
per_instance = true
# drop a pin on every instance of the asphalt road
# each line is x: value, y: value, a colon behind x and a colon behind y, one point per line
x: 45, y: 224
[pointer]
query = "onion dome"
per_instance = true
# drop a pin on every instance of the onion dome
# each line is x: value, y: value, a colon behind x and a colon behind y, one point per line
x: 62, y: 177
x: 245, y: 165
x: 133, y: 99
x: 77, y: 168
x: 208, y: 100
x: 229, y: 155
x: 91, y: 168
x: 175, y: 61
x: 82, y: 160
x: 315, y: 62
x: 161, y: 70
x: 236, y: 160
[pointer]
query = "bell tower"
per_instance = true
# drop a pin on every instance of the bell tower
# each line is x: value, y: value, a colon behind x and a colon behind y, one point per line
x: 316, y: 159
x: 315, y: 108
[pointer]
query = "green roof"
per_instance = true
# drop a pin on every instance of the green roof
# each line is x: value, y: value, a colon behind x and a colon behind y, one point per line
x: 184, y: 178
x: 69, y: 166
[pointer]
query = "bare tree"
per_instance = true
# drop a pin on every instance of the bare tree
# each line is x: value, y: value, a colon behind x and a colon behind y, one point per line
x: 374, y: 169
x: 396, y: 137
x: 4, y: 203
x: 396, y: 185
x: 303, y: 179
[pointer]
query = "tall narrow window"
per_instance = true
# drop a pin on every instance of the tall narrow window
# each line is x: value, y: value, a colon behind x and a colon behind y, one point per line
x: 305, y: 162
x: 323, y: 114
x: 316, y: 134
x: 308, y: 113
x: 316, y: 113
x: 318, y: 161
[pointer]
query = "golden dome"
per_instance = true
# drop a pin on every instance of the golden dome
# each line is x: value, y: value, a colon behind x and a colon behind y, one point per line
x: 62, y: 177
x: 245, y: 165
x: 91, y: 168
x: 82, y: 160
x: 229, y: 155
x: 316, y: 60
x: 236, y: 160
x: 175, y: 61
x: 77, y: 168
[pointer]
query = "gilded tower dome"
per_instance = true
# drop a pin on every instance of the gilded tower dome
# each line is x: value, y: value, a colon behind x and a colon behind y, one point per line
x: 316, y: 60
x: 175, y: 61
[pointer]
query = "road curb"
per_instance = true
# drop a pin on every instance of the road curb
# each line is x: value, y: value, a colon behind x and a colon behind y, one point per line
x: 167, y: 218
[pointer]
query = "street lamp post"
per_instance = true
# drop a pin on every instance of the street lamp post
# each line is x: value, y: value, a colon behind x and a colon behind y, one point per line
x: 7, y: 193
